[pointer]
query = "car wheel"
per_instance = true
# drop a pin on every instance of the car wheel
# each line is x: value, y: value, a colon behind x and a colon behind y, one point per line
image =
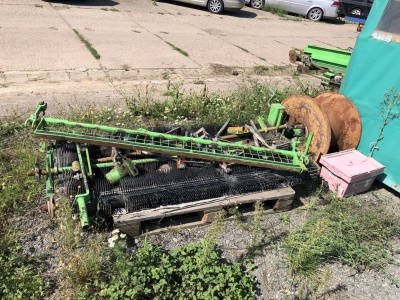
x: 315, y: 14
x: 356, y: 12
x: 215, y: 6
x: 256, y: 4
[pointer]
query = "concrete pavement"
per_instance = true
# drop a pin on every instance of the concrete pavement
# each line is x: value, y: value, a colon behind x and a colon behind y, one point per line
x: 140, y: 40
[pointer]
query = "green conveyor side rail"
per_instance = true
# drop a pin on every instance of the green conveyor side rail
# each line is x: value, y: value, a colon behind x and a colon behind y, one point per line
x: 331, y: 58
x: 188, y: 147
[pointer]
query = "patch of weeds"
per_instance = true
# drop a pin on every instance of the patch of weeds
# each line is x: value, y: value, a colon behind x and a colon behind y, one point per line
x: 17, y: 156
x: 188, y: 272
x: 164, y: 32
x: 109, y: 9
x: 165, y: 75
x: 198, y: 81
x: 248, y: 101
x: 216, y: 228
x: 87, y: 44
x: 109, y: 115
x: 179, y: 14
x: 20, y: 276
x: 177, y: 49
x: 238, y: 216
x: 39, y: 5
x: 243, y: 49
x: 161, y: 13
x: 261, y: 70
x: 346, y: 231
x: 285, y: 219
x: 310, y: 287
x: 83, y: 257
x: 155, y: 3
x: 257, y: 230
x: 137, y: 31
x: 125, y: 67
x: 275, y: 9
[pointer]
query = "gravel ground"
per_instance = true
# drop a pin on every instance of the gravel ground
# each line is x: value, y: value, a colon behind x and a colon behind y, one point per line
x: 333, y: 281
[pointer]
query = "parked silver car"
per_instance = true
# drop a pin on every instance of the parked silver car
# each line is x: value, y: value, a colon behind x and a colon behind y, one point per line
x: 217, y: 6
x: 315, y: 10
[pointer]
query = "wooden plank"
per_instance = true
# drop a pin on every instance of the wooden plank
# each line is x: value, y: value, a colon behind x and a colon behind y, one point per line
x: 125, y: 220
x: 203, y: 222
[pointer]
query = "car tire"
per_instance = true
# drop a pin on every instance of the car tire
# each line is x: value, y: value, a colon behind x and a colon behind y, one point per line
x: 315, y: 14
x: 215, y: 6
x: 257, y: 4
x: 356, y: 12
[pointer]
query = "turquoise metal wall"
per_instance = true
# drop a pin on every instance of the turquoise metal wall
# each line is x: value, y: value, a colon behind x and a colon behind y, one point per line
x: 374, y: 69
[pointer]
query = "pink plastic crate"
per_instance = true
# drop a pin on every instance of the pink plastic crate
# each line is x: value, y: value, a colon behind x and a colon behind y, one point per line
x: 349, y: 172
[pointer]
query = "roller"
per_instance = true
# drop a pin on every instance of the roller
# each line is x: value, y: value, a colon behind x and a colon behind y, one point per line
x: 344, y: 120
x: 331, y: 117
x: 304, y: 110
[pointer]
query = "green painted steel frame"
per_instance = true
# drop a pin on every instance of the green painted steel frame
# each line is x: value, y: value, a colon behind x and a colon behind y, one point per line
x: 83, y: 199
x: 141, y: 139
x: 333, y: 59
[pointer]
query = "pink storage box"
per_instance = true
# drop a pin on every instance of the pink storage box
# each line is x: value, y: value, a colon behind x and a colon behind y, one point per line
x: 349, y: 172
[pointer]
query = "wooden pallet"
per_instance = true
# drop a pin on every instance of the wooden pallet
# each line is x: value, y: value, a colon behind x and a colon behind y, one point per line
x: 199, y: 212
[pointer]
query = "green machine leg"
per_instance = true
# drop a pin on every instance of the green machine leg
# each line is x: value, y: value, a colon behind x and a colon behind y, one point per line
x: 83, y: 199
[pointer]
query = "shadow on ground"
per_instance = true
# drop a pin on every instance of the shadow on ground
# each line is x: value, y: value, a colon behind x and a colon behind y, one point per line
x: 85, y: 2
x: 232, y: 13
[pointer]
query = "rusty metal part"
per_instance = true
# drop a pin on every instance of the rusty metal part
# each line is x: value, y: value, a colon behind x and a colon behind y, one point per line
x: 233, y: 136
x: 49, y: 207
x: 302, y: 69
x: 304, y: 110
x: 292, y: 56
x: 180, y: 163
x: 237, y: 130
x: 35, y: 173
x: 344, y: 119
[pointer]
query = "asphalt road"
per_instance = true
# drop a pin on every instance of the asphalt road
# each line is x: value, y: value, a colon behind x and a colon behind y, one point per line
x: 42, y: 55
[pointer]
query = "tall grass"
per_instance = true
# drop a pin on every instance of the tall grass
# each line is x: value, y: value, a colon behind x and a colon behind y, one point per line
x: 275, y: 9
x: 20, y: 276
x: 346, y: 231
x: 249, y: 100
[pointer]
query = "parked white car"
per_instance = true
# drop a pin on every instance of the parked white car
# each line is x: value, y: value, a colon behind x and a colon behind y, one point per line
x: 315, y: 10
x: 217, y: 6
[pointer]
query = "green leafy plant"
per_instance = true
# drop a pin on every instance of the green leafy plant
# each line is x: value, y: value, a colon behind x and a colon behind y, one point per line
x: 189, y: 272
x: 87, y: 44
